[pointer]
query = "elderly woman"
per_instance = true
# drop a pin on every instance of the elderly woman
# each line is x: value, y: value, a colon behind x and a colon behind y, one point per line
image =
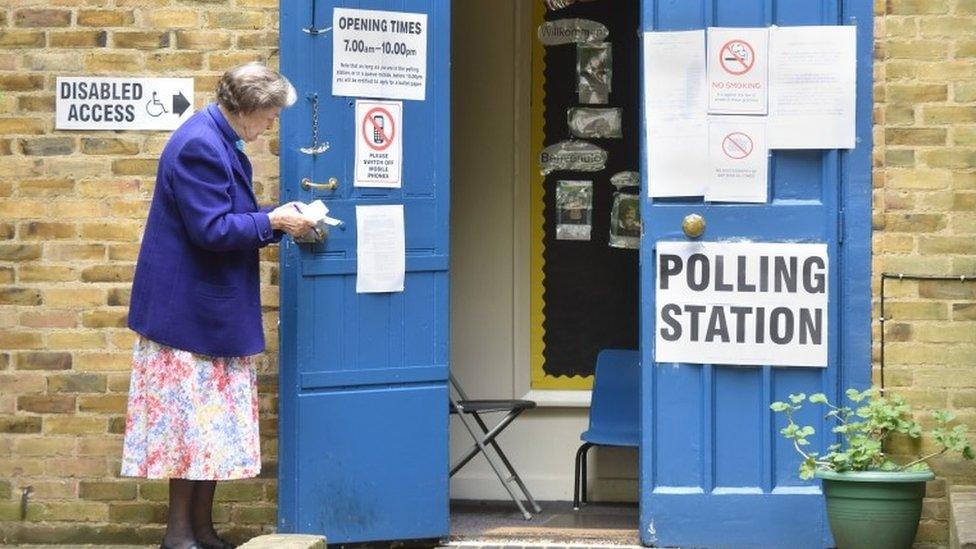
x: 193, y: 409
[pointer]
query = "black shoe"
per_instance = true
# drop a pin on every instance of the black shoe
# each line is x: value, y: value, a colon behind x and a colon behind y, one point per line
x: 192, y: 546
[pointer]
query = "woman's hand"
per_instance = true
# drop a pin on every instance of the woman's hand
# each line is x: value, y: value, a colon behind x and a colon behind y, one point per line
x: 287, y: 218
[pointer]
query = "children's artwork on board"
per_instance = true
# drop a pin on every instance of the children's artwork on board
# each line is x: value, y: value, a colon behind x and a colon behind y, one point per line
x: 594, y: 69
x: 625, y: 221
x: 621, y: 180
x: 574, y: 210
x: 594, y: 122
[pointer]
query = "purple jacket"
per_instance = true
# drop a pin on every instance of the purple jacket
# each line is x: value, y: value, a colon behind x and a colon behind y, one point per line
x: 197, y: 283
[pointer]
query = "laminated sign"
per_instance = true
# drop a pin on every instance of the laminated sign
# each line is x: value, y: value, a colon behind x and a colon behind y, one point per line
x: 580, y: 156
x: 379, y: 145
x: 737, y: 70
x: 741, y: 303
x: 570, y: 31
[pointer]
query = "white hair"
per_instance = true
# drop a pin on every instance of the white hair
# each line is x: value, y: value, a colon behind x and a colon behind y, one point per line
x: 253, y: 87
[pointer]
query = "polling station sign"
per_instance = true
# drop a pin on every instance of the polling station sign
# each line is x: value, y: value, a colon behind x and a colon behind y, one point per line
x: 741, y: 303
x: 101, y: 103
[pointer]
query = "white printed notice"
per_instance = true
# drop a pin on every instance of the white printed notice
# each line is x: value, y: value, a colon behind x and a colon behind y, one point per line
x: 379, y: 145
x: 100, y: 103
x: 737, y: 69
x: 812, y: 95
x: 674, y: 107
x: 379, y: 54
x: 738, y: 159
x: 380, y: 249
x: 741, y: 303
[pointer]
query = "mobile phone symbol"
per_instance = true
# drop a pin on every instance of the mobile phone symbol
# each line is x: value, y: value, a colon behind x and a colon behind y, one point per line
x: 378, y: 124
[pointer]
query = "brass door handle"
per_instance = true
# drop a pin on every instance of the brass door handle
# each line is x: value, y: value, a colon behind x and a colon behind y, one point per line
x: 308, y: 185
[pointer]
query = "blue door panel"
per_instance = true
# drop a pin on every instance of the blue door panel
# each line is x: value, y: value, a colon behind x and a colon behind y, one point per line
x: 798, y: 175
x: 739, y: 402
x: 714, y: 470
x: 737, y: 521
x: 679, y: 391
x: 363, y: 418
x: 383, y: 477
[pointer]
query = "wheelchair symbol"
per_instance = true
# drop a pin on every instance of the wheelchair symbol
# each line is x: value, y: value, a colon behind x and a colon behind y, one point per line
x: 155, y: 107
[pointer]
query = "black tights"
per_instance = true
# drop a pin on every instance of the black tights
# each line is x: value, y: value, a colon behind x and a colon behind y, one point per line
x: 190, y: 513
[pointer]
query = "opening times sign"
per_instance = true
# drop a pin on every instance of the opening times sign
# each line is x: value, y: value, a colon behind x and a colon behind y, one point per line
x: 742, y: 303
x: 379, y: 54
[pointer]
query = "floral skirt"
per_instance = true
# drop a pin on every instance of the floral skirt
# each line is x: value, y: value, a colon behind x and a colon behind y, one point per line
x: 190, y: 416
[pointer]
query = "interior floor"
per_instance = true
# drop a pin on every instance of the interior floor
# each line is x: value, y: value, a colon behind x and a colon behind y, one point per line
x: 499, y: 523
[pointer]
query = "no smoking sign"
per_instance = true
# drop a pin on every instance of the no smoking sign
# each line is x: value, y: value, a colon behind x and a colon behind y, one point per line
x: 738, y: 62
x: 379, y: 147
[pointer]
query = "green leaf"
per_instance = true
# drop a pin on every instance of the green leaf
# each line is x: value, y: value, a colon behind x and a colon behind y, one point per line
x: 779, y: 407
x: 818, y: 398
x: 798, y: 398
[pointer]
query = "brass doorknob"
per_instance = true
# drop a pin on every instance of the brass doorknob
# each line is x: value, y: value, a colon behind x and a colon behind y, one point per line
x: 693, y: 225
x: 332, y: 185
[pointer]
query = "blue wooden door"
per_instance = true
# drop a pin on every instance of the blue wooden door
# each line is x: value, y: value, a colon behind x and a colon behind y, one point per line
x: 363, y: 452
x: 714, y: 470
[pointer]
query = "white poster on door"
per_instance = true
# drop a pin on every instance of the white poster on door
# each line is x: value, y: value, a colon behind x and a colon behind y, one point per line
x: 812, y: 93
x: 737, y: 159
x: 379, y: 145
x: 741, y: 303
x: 379, y: 54
x: 737, y: 70
x: 674, y: 107
x: 380, y: 249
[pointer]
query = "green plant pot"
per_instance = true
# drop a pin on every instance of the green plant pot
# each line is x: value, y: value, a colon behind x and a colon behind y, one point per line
x: 874, y: 509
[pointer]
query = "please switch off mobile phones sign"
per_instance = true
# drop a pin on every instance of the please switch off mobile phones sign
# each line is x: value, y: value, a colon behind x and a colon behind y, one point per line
x: 379, y: 145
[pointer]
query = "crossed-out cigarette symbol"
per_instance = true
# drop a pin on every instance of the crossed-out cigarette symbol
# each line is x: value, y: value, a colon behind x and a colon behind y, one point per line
x: 737, y: 145
x: 737, y: 57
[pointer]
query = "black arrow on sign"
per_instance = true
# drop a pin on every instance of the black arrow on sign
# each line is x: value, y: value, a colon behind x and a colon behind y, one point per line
x: 180, y: 104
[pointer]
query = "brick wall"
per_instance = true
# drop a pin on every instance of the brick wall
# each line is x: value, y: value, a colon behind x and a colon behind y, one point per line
x: 72, y: 206
x: 72, y: 209
x: 925, y: 216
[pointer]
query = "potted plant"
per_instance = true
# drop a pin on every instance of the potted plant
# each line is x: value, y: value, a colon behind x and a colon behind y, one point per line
x: 871, y: 500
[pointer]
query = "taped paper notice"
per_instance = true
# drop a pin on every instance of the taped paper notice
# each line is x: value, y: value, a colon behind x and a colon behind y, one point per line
x: 737, y: 67
x: 569, y: 31
x: 594, y: 122
x: 380, y: 249
x: 738, y: 159
x: 812, y: 94
x: 625, y: 221
x: 625, y: 179
x: 594, y: 70
x: 674, y: 107
x: 579, y: 156
x: 379, y: 54
x: 742, y: 303
x: 574, y: 210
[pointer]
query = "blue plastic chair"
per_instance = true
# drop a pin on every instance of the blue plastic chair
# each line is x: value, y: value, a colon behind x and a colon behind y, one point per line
x: 614, y: 410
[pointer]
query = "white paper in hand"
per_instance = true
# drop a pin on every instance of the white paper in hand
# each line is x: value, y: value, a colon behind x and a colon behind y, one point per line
x: 318, y: 213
